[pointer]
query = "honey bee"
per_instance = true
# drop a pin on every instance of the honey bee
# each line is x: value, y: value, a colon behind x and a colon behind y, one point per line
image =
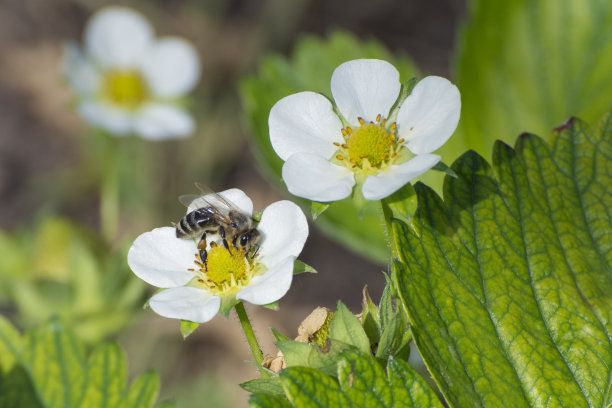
x: 217, y: 216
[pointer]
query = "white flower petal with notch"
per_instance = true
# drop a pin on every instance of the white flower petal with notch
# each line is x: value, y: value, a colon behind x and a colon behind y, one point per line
x: 304, y: 122
x: 284, y: 230
x: 271, y: 286
x: 159, y: 258
x: 313, y: 177
x: 365, y: 88
x: 393, y: 178
x: 186, y: 303
x: 118, y: 37
x: 429, y: 115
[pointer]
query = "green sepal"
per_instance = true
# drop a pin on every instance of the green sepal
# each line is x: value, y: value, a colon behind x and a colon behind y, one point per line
x: 270, y: 386
x: 369, y: 317
x: 444, y: 168
x: 272, y: 306
x: 278, y: 336
x: 301, y: 267
x: 187, y: 327
x: 227, y: 304
x: 402, y: 204
x: 257, y: 215
x: 317, y: 209
x: 301, y: 354
x: 405, y: 90
x: 391, y: 338
x: 385, y: 307
x: 346, y: 328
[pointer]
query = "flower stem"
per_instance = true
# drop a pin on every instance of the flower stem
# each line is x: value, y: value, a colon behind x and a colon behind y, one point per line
x: 249, y: 333
x: 109, y: 191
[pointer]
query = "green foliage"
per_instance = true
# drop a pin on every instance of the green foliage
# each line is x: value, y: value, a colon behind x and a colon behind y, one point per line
x: 361, y: 382
x: 310, y: 69
x: 529, y: 65
x: 47, y: 368
x: 61, y: 269
x: 508, y: 281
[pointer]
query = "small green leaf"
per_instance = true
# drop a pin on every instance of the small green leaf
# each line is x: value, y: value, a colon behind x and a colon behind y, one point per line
x: 301, y: 267
x: 188, y: 327
x: 270, y: 386
x: 278, y: 335
x: 106, y: 379
x: 346, y: 328
x: 362, y: 382
x: 508, y: 281
x: 17, y: 390
x: 402, y: 204
x: 317, y: 209
x: 142, y: 393
x: 391, y: 338
x: 385, y: 307
x: 268, y: 401
x: 443, y: 167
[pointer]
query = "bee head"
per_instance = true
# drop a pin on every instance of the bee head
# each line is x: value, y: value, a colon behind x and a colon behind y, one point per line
x: 247, y: 240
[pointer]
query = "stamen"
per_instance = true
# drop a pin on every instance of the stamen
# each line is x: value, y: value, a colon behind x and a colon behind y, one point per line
x: 361, y: 121
x: 401, y: 141
x: 393, y: 136
x: 349, y: 130
x: 383, y: 123
x: 393, y: 126
x: 339, y: 157
x: 337, y: 144
x: 378, y: 118
x: 344, y: 133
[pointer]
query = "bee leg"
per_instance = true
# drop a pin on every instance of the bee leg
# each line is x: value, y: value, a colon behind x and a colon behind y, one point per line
x: 222, y: 234
x: 255, y: 252
x: 202, y: 249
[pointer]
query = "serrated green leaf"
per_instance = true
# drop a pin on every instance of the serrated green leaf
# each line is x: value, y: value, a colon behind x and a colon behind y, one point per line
x: 310, y: 69
x: 390, y: 338
x: 268, y: 401
x: 270, y: 386
x: 346, y: 328
x: 307, y: 355
x: 142, y: 393
x: 16, y: 389
x: 508, y: 281
x: 56, y: 374
x: 188, y: 327
x: 362, y: 382
x: 106, y: 376
x: 385, y: 308
x: 301, y: 267
x: 529, y: 65
x: 56, y: 363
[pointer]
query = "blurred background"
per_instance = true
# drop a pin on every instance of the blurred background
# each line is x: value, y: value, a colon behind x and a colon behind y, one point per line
x: 46, y: 167
x: 51, y: 255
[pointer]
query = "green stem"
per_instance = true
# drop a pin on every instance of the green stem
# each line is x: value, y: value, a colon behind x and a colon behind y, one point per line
x: 109, y: 191
x: 249, y: 333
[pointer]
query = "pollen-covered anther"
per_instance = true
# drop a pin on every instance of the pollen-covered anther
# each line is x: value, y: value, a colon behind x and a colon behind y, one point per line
x: 339, y: 157
x: 361, y: 121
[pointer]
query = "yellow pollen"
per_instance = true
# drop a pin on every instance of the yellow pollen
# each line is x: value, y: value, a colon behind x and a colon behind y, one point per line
x: 370, y: 141
x: 361, y: 121
x: 125, y: 87
x: 339, y: 157
x: 226, y: 269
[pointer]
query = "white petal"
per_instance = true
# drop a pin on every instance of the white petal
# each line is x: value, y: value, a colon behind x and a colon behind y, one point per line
x: 187, y: 303
x: 304, y: 122
x: 235, y: 196
x: 106, y: 116
x: 118, y: 37
x: 172, y: 67
x: 429, y: 116
x: 365, y: 88
x: 311, y: 176
x: 284, y: 230
x: 270, y: 286
x: 80, y: 74
x: 160, y: 121
x: 161, y: 259
x: 393, y: 178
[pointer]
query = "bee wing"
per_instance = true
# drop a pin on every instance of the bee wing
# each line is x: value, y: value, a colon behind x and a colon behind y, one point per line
x: 188, y: 199
x: 216, y: 200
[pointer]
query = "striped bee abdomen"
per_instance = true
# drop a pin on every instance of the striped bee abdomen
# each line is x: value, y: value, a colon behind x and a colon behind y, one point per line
x: 196, y: 222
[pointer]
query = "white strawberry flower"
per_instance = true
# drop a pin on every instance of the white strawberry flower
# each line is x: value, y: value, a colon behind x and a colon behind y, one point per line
x: 196, y: 292
x: 129, y: 82
x: 370, y: 138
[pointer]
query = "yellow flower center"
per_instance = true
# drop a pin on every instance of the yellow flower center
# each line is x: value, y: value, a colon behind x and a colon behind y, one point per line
x: 126, y: 88
x: 370, y: 141
x: 226, y: 270
x: 371, y: 145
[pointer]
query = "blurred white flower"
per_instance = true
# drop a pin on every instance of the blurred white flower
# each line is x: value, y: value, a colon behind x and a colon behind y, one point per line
x: 127, y: 81
x: 196, y: 291
x: 363, y: 141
